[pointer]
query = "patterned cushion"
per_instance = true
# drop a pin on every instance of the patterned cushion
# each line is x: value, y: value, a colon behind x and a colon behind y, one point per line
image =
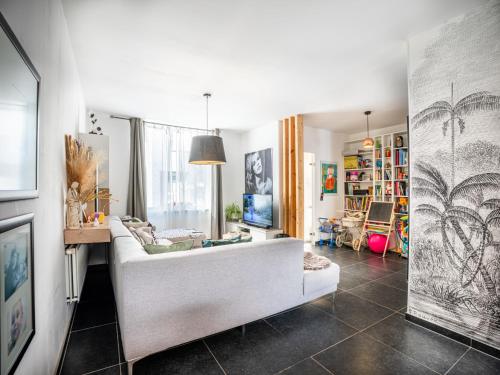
x: 176, y: 246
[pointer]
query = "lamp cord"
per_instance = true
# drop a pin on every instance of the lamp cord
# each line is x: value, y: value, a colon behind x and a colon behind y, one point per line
x: 367, y: 128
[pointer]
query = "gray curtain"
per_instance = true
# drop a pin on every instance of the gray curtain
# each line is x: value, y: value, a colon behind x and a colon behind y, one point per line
x: 217, y: 211
x: 136, y: 202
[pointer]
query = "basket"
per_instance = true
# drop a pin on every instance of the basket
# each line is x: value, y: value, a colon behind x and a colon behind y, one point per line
x: 350, y: 222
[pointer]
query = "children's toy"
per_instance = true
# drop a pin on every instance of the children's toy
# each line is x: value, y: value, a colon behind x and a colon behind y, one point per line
x: 402, y: 232
x: 350, y: 231
x: 328, y: 231
x: 380, y: 220
x: 376, y: 242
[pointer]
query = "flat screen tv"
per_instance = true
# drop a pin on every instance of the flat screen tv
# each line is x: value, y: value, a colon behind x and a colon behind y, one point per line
x: 258, y: 210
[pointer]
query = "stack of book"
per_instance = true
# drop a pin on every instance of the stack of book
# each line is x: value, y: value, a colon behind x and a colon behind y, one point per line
x: 401, y: 157
x: 401, y: 188
x: 358, y: 203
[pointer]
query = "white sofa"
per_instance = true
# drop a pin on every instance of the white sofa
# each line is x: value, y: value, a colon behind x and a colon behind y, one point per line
x: 169, y: 299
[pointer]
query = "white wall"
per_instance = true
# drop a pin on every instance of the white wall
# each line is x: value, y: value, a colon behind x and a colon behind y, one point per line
x: 376, y: 132
x: 119, y: 159
x: 233, y: 174
x: 260, y: 138
x: 41, y: 28
x: 326, y: 145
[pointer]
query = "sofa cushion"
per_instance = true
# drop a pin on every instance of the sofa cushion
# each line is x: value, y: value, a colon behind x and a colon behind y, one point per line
x: 176, y: 246
x: 133, y: 224
x: 238, y: 239
x: 313, y: 262
x: 318, y: 280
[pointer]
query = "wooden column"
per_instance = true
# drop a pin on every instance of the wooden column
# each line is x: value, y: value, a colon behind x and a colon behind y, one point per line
x: 299, y: 171
x: 293, y: 176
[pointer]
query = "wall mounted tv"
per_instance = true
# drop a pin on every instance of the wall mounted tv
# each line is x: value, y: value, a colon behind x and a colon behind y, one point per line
x: 258, y: 210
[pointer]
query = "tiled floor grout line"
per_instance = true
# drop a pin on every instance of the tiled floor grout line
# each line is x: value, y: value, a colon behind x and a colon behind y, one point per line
x: 375, y: 303
x: 104, y: 368
x: 354, y: 334
x: 440, y: 334
x: 458, y: 360
x: 273, y: 327
x: 118, y: 346
x: 389, y: 272
x: 66, y: 344
x: 400, y: 352
x: 321, y: 365
x: 334, y: 317
x: 213, y: 355
x: 316, y: 308
x: 340, y: 342
x: 97, y: 326
x: 289, y: 367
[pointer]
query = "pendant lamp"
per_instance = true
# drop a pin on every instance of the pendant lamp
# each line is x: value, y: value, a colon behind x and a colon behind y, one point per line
x: 207, y: 149
x: 368, y: 142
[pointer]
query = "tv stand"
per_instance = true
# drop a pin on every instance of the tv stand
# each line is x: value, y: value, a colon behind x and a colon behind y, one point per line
x: 258, y: 234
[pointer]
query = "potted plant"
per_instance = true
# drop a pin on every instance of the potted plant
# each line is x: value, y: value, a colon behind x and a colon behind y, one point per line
x: 233, y: 212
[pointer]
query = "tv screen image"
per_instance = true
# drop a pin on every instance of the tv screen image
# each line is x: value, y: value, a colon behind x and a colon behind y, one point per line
x: 258, y: 209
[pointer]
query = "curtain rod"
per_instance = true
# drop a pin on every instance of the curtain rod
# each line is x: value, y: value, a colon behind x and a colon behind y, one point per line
x: 161, y: 124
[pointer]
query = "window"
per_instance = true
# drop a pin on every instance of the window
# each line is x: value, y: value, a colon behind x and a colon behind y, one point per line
x: 178, y: 193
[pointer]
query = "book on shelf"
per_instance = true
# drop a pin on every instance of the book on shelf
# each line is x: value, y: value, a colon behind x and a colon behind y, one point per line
x: 401, y: 188
x: 357, y: 161
x: 401, y: 157
x: 401, y: 174
x: 357, y: 203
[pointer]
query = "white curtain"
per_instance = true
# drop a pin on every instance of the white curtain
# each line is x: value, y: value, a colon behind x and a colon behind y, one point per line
x: 178, y: 193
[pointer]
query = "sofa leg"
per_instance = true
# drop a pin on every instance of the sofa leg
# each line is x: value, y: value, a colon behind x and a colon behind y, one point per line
x: 333, y: 302
x: 130, y: 366
x: 243, y: 329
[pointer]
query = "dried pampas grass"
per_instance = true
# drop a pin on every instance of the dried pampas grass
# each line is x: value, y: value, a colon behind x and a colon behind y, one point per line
x: 81, y: 166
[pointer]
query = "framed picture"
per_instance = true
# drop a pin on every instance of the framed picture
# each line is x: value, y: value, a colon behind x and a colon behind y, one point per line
x: 329, y: 181
x: 259, y: 172
x: 19, y: 86
x: 17, y: 300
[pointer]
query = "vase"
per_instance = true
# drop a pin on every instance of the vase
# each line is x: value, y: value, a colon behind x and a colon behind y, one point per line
x: 73, y: 215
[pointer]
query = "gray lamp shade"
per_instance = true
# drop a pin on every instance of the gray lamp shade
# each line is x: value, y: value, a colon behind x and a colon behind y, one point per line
x: 207, y: 149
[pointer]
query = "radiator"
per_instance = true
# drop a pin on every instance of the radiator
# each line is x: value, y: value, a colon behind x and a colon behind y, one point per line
x: 72, y: 277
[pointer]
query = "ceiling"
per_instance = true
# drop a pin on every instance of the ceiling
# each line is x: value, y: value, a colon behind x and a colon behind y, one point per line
x: 262, y: 60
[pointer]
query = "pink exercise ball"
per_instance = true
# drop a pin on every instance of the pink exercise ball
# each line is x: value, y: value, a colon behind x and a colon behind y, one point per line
x: 376, y: 242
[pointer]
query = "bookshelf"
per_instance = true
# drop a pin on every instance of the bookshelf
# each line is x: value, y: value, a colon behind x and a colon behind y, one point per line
x: 380, y: 174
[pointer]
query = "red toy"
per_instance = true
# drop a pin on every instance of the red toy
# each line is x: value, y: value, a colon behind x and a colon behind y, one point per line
x: 376, y: 242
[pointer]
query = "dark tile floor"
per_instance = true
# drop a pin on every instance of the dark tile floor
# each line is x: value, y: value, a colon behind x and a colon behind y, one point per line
x: 363, y: 332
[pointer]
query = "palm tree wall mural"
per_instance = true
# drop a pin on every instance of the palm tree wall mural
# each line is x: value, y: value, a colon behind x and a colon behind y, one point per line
x: 454, y: 95
x: 453, y: 115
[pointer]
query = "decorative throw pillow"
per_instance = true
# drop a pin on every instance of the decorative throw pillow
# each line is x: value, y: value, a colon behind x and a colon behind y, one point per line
x: 136, y: 236
x: 245, y: 238
x: 231, y: 235
x: 163, y: 241
x: 132, y: 224
x: 176, y: 246
x: 212, y: 243
x: 145, y: 234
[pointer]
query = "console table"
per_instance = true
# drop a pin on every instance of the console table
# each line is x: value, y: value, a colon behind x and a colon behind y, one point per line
x: 258, y: 234
x: 88, y: 234
x: 73, y: 238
